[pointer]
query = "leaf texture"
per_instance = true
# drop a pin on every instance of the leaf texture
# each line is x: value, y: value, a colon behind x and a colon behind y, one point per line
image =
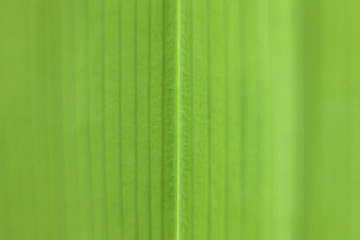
x: 179, y: 120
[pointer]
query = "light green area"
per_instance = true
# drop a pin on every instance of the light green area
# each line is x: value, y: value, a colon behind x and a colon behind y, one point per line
x: 179, y: 120
x: 88, y: 126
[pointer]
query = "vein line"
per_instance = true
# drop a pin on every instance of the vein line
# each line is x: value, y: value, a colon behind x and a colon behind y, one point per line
x: 120, y: 128
x: 136, y: 122
x: 178, y: 59
x: 149, y: 120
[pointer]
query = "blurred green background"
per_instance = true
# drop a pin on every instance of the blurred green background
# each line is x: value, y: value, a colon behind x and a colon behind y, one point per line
x: 179, y: 119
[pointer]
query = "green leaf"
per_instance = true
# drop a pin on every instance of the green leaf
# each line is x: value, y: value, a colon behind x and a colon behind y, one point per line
x: 179, y: 119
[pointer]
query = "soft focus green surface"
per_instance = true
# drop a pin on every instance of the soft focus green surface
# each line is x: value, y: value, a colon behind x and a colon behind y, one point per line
x: 88, y: 127
x: 179, y: 120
